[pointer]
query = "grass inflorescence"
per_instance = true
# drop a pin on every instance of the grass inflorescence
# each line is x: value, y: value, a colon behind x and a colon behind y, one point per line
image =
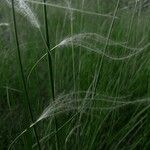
x: 84, y: 70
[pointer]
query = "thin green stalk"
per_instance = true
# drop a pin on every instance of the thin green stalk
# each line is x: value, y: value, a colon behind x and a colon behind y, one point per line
x: 79, y: 56
x: 127, y: 42
x: 8, y: 99
x: 100, y: 61
x: 74, y: 74
x: 128, y: 38
x: 131, y: 22
x: 27, y: 102
x: 78, y: 82
x: 73, y: 54
x: 105, y: 48
x: 50, y: 67
x: 114, y: 114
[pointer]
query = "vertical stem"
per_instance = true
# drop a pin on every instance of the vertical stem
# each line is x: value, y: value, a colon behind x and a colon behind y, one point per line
x: 27, y: 102
x: 8, y: 99
x: 100, y: 61
x: 50, y: 67
x: 73, y: 54
x: 131, y: 22
x: 73, y: 73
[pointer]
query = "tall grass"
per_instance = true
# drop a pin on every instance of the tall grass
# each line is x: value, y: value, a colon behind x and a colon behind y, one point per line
x: 84, y: 67
x: 27, y: 102
x: 50, y: 68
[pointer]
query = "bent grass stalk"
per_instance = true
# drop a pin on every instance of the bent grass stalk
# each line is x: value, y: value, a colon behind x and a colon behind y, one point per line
x: 78, y: 40
x: 27, y: 102
x: 50, y: 67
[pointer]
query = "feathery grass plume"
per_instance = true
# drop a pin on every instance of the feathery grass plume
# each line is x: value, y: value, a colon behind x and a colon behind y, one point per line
x: 66, y: 103
x: 23, y: 8
x: 86, y: 41
x: 4, y: 24
x: 108, y: 108
x: 82, y: 37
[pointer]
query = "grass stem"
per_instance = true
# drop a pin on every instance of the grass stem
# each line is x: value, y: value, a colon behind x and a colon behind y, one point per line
x: 50, y: 67
x: 100, y: 61
x: 27, y: 102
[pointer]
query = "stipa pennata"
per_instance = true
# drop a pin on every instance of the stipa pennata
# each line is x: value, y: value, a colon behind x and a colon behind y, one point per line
x: 86, y: 41
x: 4, y: 24
x: 23, y: 8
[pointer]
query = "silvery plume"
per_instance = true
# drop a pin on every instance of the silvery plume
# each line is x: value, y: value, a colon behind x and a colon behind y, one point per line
x: 23, y: 8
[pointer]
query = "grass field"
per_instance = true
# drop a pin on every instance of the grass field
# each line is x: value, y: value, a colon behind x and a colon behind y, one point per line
x: 74, y: 75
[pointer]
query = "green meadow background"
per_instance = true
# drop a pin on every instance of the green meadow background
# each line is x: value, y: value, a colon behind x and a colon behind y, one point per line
x: 106, y: 101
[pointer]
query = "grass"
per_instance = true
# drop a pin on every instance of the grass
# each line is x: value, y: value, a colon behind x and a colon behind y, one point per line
x: 50, y: 67
x: 27, y: 103
x: 81, y: 77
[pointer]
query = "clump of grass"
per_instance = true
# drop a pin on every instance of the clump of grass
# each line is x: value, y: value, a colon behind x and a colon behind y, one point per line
x: 113, y: 109
x: 67, y: 103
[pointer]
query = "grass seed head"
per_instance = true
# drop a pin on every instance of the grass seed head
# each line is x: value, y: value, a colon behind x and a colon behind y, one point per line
x: 24, y: 9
